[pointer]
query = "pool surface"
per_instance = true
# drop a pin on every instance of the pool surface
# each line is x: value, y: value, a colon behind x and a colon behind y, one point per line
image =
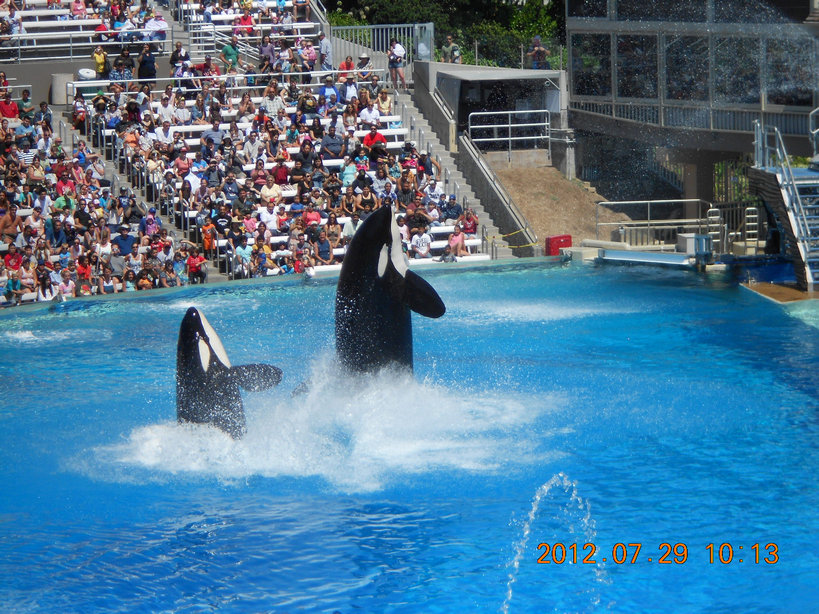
x: 594, y: 410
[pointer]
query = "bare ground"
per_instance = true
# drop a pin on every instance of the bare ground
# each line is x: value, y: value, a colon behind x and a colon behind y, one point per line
x: 552, y: 204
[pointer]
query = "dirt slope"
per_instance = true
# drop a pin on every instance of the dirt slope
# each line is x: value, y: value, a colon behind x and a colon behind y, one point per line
x: 554, y: 205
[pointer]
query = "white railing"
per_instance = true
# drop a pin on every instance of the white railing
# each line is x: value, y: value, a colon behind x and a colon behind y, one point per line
x: 417, y: 39
x: 695, y: 116
x: 62, y: 45
x: 660, y: 224
x: 813, y: 128
x: 508, y: 127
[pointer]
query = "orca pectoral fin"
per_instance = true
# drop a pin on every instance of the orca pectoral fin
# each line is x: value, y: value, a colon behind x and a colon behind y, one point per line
x: 255, y: 377
x: 421, y: 297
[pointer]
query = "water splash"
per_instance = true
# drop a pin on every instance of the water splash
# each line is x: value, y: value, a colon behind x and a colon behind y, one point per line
x: 386, y: 426
x: 587, y: 527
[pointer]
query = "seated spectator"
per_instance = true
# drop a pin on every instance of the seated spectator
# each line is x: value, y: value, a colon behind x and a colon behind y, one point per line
x: 369, y: 116
x: 196, y: 268
x: 421, y: 243
x: 9, y: 108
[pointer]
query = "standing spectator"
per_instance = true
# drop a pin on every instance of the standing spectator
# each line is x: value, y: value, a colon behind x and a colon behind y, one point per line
x: 538, y: 54
x: 451, y: 52
x: 230, y: 56
x: 396, y: 57
x: 325, y: 52
x: 147, y: 64
x: 101, y: 64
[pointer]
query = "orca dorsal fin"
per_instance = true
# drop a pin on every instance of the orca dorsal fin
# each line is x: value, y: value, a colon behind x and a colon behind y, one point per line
x: 422, y: 298
x: 255, y: 377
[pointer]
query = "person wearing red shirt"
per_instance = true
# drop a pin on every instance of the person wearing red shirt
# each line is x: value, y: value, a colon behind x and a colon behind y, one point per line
x: 311, y: 216
x: 65, y: 184
x: 13, y: 259
x: 207, y: 69
x: 9, y: 108
x: 196, y: 270
x: 373, y: 137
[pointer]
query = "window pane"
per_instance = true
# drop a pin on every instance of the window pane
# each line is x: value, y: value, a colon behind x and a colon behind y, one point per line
x: 790, y: 73
x: 686, y: 60
x: 591, y: 62
x: 736, y: 70
x: 661, y: 10
x: 637, y: 66
x: 748, y: 11
x: 587, y: 8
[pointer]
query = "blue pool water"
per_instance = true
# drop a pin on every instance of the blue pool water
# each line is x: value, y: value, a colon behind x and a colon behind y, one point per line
x: 574, y: 405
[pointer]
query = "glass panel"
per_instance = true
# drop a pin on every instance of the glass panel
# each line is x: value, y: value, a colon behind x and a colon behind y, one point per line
x: 637, y: 66
x: 747, y: 11
x: 661, y: 10
x: 790, y: 73
x: 686, y: 61
x: 588, y: 8
x: 591, y: 58
x: 736, y: 70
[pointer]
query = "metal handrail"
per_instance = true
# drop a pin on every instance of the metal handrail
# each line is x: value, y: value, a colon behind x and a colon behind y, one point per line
x: 88, y: 42
x: 648, y: 204
x: 813, y: 130
x: 231, y: 79
x: 497, y: 126
x: 770, y: 151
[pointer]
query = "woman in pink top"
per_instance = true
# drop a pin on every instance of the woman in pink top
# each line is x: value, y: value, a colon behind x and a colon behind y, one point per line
x: 456, y: 242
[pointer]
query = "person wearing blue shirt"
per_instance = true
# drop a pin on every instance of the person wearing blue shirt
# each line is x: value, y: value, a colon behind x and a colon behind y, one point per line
x: 25, y: 131
x: 451, y: 211
x: 328, y: 88
x: 124, y: 240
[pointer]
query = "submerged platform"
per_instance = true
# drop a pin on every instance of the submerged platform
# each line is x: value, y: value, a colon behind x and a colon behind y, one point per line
x: 782, y: 293
x: 669, y: 259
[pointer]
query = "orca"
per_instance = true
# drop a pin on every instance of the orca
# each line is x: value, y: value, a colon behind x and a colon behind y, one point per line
x: 376, y: 292
x: 207, y: 386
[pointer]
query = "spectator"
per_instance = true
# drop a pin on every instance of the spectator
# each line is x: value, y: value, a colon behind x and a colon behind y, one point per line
x: 364, y: 68
x: 451, y: 52
x: 325, y: 52
x: 396, y: 57
x: 196, y: 268
x: 9, y: 108
x: 538, y: 54
x: 421, y: 243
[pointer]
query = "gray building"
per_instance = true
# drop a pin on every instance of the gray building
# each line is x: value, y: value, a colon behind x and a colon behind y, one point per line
x: 690, y: 76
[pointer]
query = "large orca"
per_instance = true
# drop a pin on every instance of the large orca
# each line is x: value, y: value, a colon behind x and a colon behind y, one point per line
x: 207, y: 386
x: 375, y: 293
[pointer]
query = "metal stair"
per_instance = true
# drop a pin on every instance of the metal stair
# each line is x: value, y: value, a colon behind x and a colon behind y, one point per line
x: 800, y: 196
x: 809, y: 195
x: 453, y: 180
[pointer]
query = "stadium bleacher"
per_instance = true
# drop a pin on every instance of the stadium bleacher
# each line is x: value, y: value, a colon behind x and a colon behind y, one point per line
x: 118, y: 135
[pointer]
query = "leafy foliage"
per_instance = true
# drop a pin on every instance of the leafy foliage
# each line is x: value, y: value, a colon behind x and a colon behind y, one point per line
x: 499, y: 28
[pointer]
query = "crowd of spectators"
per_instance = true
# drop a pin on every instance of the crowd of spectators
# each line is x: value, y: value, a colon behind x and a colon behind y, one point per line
x: 78, y: 237
x: 109, y: 20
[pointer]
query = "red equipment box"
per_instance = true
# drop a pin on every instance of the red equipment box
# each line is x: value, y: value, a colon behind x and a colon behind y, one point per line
x: 553, y: 244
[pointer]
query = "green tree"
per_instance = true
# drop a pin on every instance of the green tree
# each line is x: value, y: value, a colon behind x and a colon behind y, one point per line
x: 535, y: 18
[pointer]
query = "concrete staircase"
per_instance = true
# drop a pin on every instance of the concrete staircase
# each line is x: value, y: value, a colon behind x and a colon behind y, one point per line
x: 452, y: 179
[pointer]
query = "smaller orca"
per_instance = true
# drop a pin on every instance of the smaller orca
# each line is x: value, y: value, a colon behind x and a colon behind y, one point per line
x: 207, y: 386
